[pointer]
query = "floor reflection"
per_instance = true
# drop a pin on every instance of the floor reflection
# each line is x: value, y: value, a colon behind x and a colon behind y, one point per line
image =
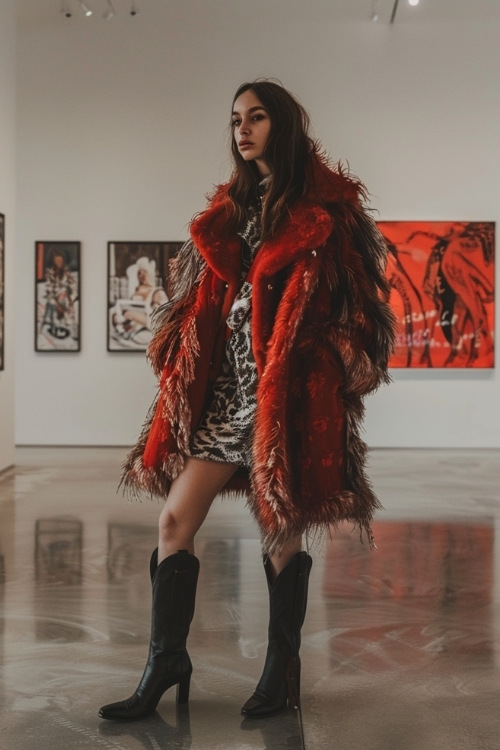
x: 218, y: 593
x: 129, y: 550
x: 2, y: 620
x: 283, y: 731
x: 152, y: 733
x: 6, y: 527
x: 426, y: 593
x: 129, y: 593
x: 400, y: 646
x: 450, y: 563
x: 58, y: 550
x: 58, y: 577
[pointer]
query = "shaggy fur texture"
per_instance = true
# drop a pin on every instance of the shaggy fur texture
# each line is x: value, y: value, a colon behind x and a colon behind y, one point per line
x: 322, y: 333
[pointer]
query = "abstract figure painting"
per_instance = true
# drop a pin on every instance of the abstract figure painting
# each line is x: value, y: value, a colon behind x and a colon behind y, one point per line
x: 57, y: 296
x: 442, y: 276
x: 138, y: 283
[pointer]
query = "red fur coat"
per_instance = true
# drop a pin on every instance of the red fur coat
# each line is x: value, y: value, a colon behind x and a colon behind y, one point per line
x: 322, y: 333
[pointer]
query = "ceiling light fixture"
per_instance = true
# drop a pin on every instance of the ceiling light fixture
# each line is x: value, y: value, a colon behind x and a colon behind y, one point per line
x: 85, y: 9
x: 110, y: 12
x: 413, y: 2
x: 65, y: 11
x: 107, y: 13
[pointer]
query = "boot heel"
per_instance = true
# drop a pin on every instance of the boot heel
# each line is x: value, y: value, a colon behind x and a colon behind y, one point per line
x: 183, y: 689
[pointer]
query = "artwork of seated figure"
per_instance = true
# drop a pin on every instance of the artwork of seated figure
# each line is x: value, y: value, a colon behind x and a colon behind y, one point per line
x: 131, y: 317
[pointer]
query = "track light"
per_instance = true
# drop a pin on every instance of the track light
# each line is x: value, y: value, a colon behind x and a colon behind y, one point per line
x: 85, y: 9
x: 394, y: 10
x: 395, y: 7
x: 107, y: 14
x: 110, y: 12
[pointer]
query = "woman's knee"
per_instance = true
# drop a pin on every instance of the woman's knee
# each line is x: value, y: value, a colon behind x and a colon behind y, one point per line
x: 170, y: 526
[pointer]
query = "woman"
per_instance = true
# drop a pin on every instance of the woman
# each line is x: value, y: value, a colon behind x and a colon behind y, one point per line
x: 278, y: 327
x: 60, y: 293
x: 132, y: 316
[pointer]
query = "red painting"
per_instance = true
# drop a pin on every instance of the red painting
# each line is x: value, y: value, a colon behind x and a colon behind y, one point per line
x: 442, y: 277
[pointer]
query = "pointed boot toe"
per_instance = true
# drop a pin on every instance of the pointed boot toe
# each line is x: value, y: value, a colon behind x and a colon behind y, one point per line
x: 258, y: 707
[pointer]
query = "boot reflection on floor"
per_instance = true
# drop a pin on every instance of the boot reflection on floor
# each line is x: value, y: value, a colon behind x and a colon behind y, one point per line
x: 282, y: 731
x: 153, y: 733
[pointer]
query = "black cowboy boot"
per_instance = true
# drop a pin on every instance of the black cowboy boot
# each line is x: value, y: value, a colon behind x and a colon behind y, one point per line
x: 174, y: 588
x: 279, y: 685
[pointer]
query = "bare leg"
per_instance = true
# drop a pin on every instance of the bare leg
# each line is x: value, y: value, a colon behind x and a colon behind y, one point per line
x: 280, y: 560
x: 174, y: 580
x: 188, y: 503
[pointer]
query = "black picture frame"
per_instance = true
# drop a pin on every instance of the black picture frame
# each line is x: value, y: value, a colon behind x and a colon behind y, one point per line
x: 2, y: 291
x: 57, y: 296
x: 138, y: 282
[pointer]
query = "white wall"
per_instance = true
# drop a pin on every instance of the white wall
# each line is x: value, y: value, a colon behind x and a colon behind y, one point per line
x: 7, y: 207
x: 122, y: 132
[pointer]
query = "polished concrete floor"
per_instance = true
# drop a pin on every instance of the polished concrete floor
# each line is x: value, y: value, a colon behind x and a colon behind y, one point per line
x: 401, y: 647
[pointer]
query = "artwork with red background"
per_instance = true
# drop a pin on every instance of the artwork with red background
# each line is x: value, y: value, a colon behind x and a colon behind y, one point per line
x: 442, y: 290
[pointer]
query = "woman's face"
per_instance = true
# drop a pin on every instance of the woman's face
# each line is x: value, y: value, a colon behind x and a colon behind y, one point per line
x: 251, y: 129
x: 142, y: 276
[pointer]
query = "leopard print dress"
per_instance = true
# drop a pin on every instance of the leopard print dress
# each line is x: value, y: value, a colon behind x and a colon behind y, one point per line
x: 225, y: 431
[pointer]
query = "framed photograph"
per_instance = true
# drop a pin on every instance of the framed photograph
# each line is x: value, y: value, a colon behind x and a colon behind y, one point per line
x: 138, y: 282
x: 442, y: 277
x: 2, y: 288
x: 57, y: 296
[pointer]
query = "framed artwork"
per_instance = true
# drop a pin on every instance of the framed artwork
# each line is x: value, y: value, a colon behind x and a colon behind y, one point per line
x: 57, y: 296
x: 2, y: 288
x: 138, y: 282
x: 442, y: 277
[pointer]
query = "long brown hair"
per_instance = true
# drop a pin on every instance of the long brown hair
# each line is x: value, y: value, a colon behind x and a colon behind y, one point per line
x: 287, y: 152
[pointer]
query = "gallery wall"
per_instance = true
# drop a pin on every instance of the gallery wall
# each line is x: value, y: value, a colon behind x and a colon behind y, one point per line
x: 122, y: 131
x: 7, y: 207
